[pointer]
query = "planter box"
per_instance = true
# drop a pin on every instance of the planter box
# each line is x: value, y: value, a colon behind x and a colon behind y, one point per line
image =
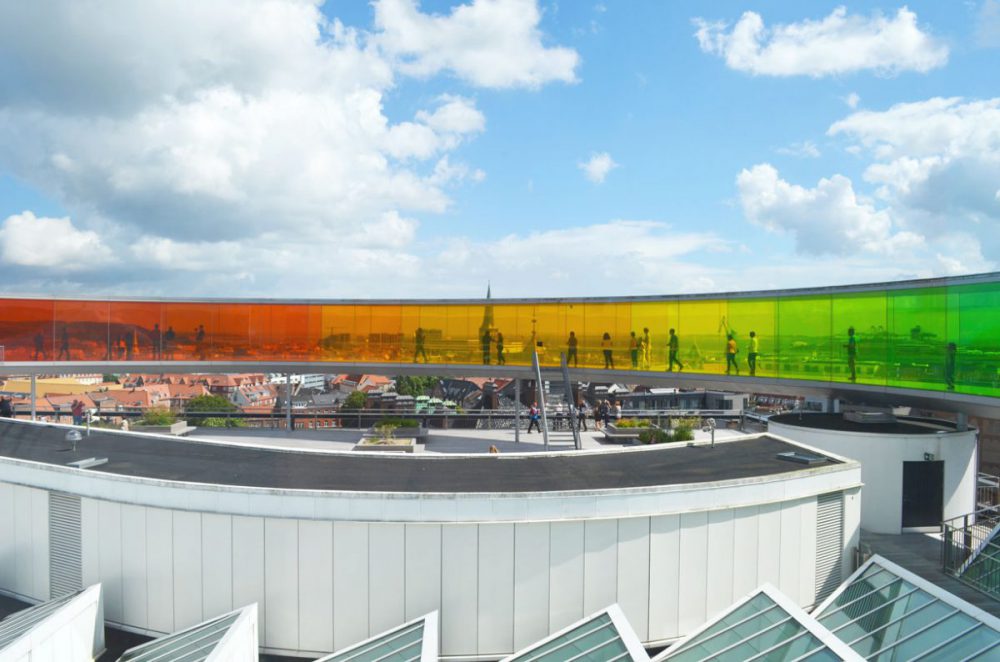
x: 616, y: 435
x: 420, y: 434
x: 402, y: 445
x: 178, y: 429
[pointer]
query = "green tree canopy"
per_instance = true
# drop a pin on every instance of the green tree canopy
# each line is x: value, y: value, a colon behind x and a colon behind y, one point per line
x: 414, y: 385
x: 208, y: 403
x: 356, y: 400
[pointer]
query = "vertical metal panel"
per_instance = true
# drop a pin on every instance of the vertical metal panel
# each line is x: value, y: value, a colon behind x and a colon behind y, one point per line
x: 135, y: 596
x: 248, y: 565
x: 496, y: 589
x: 600, y: 564
x: 633, y: 572
x: 807, y: 552
x: 187, y: 569
x: 664, y: 576
x: 829, y: 542
x: 719, y: 587
x: 40, y: 544
x: 769, y: 543
x: 110, y: 546
x: 65, y: 554
x: 423, y: 569
x: 566, y: 574
x: 8, y: 570
x: 217, y: 564
x: 23, y: 554
x: 693, y: 561
x: 459, y: 588
x: 386, y: 608
x: 350, y: 583
x: 745, y: 548
x: 315, y: 585
x: 281, y: 582
x: 160, y: 564
x: 531, y: 582
x: 791, y: 551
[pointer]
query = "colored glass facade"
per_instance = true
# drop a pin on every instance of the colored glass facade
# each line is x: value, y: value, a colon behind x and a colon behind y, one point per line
x: 937, y: 335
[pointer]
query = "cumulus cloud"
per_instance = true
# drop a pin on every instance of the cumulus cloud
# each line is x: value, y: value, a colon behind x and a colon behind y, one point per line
x: 489, y: 43
x: 852, y: 100
x: 195, y: 132
x: 837, y: 44
x: 805, y: 149
x: 51, y: 243
x: 597, y: 168
x: 829, y: 218
x: 936, y: 162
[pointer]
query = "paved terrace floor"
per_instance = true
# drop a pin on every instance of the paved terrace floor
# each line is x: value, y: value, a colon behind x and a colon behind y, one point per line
x: 227, y: 464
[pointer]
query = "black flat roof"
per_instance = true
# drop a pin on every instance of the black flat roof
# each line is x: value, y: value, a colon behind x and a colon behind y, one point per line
x: 824, y: 421
x: 201, y: 462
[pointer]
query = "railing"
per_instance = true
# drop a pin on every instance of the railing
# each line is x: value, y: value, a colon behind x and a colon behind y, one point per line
x: 969, y: 551
x: 987, y: 491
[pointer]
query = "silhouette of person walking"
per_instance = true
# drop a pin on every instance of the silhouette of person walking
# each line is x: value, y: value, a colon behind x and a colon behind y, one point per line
x: 731, y: 350
x: 752, y: 353
x: 418, y: 339
x: 673, y: 347
x: 199, y: 341
x: 646, y: 345
x: 950, y: 355
x: 609, y: 359
x: 633, y: 350
x: 486, y: 341
x: 571, y: 347
x: 157, y: 343
x: 852, y: 353
x: 168, y: 342
x: 501, y: 359
x: 64, y: 345
x: 39, y: 346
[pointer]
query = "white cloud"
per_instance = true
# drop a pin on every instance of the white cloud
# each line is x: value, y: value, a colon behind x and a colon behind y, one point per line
x: 596, y: 169
x: 937, y: 163
x: 837, y: 44
x: 852, y: 100
x: 827, y: 219
x: 224, y: 132
x: 489, y: 43
x: 52, y: 243
x: 805, y: 149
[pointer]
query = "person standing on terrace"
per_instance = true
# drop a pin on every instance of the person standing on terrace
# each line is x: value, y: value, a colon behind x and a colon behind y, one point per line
x: 674, y: 346
x: 419, y: 338
x: 571, y: 345
x: 646, y: 345
x: 852, y: 353
x: 609, y: 359
x: 633, y: 350
x: 731, y: 350
x: 753, y: 349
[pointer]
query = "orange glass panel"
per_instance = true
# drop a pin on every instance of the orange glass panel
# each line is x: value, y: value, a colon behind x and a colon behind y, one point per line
x: 81, y: 329
x: 26, y: 331
x: 188, y: 330
x: 231, y: 340
x: 135, y: 330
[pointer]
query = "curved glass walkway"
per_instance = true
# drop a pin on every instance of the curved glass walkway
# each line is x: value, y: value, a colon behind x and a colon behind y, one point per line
x: 930, y: 335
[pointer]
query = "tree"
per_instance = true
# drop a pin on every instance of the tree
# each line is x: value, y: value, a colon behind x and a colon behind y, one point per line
x: 414, y: 385
x: 208, y: 404
x: 356, y: 400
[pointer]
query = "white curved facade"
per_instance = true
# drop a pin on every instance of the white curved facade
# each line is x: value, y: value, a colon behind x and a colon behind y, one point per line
x: 329, y: 569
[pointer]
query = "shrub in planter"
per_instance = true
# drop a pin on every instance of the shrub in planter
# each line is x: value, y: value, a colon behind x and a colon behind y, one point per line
x: 158, y: 416
x: 683, y: 433
x: 401, y: 422
x: 632, y: 423
x: 655, y: 436
x: 219, y: 422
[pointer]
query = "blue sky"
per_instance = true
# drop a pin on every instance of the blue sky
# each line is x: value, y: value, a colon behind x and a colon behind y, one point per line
x: 404, y: 148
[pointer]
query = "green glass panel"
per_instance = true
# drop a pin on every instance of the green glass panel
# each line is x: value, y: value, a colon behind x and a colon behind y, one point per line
x: 918, y: 338
x: 863, y: 317
x: 759, y: 317
x: 596, y: 640
x: 805, y: 340
x: 978, y: 339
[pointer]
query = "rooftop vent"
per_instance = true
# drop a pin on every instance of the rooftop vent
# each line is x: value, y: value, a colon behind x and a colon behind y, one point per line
x: 801, y: 458
x: 870, y: 417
